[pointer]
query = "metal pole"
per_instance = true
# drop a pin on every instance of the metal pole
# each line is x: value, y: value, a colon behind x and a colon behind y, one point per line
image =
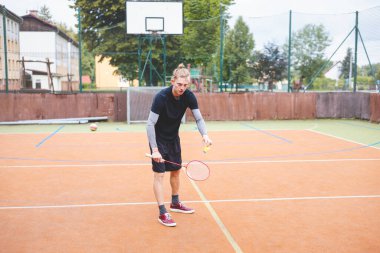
x: 356, y: 50
x: 350, y: 72
x: 139, y: 59
x: 221, y: 49
x: 80, y: 50
x: 150, y: 60
x: 164, y: 45
x: 290, y: 49
x: 5, y: 48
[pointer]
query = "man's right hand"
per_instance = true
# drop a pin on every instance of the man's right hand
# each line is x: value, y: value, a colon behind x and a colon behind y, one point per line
x: 156, y: 156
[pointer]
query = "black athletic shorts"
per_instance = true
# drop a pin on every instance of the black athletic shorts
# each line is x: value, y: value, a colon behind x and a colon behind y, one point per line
x: 170, y: 151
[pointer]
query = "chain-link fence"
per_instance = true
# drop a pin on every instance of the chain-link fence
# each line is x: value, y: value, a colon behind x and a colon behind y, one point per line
x: 324, y: 49
x: 335, y: 52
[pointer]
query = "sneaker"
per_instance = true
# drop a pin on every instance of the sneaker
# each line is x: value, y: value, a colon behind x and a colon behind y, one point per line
x: 166, y: 220
x: 180, y: 208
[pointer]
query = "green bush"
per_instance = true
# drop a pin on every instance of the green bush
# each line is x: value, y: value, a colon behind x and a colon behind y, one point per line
x: 323, y: 83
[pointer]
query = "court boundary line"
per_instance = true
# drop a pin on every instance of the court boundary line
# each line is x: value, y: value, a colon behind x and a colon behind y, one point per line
x: 216, y: 218
x: 375, y: 196
x: 267, y: 133
x: 341, y: 138
x: 49, y: 136
x: 208, y: 162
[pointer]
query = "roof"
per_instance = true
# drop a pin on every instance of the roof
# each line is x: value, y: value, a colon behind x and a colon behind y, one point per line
x: 33, y: 23
x: 43, y: 73
x: 13, y: 16
x: 86, y: 79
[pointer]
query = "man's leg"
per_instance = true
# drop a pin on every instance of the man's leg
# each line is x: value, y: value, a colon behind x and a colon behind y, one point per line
x: 174, y: 181
x: 176, y: 205
x: 158, y: 188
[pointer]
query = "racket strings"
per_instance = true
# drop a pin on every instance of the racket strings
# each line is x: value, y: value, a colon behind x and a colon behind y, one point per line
x: 197, y: 170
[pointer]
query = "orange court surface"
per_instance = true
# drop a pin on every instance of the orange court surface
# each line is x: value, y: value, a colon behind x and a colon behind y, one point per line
x: 275, y: 186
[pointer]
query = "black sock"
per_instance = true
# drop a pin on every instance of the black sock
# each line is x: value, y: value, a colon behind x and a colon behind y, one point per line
x: 175, y: 199
x: 162, y: 209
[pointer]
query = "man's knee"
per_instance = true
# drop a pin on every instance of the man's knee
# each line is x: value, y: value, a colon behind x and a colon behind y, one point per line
x: 159, y: 176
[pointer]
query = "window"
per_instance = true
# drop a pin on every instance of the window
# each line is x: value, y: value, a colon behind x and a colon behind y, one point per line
x: 38, y: 83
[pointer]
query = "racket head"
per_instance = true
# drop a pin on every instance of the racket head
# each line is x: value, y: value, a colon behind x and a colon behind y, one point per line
x: 197, y: 170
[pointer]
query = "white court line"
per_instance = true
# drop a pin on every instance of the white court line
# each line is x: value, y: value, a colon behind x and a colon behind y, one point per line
x: 341, y: 138
x: 208, y: 162
x: 194, y: 201
x: 218, y: 221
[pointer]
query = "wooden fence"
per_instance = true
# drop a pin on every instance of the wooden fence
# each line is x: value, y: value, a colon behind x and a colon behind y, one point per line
x: 214, y: 106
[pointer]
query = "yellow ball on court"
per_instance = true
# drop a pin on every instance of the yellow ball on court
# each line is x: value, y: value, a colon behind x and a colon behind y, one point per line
x: 93, y: 127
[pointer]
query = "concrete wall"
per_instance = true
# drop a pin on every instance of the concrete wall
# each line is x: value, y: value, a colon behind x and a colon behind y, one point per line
x: 214, y: 106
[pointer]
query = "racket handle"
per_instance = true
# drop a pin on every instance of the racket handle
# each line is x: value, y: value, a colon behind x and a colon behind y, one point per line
x: 150, y: 156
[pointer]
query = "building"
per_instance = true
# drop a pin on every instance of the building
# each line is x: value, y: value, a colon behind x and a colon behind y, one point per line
x: 106, y: 77
x: 12, y: 53
x: 50, y: 55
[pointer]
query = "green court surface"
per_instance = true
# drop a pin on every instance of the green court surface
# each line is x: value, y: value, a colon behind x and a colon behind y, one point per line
x: 359, y: 131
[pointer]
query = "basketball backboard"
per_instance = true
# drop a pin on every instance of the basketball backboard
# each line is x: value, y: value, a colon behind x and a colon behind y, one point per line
x: 146, y: 17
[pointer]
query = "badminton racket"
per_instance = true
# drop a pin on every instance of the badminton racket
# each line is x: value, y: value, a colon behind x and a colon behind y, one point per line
x: 195, y: 170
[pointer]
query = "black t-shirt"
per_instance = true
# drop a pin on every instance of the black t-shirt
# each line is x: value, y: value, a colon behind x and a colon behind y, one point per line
x: 171, y: 111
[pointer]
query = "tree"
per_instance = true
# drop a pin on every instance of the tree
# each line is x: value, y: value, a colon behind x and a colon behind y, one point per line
x: 269, y: 65
x: 103, y: 29
x: 309, y: 45
x: 44, y: 14
x: 345, y: 68
x: 238, y: 49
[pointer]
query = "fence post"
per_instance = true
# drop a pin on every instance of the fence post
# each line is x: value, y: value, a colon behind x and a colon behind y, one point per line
x: 290, y: 49
x: 5, y: 47
x: 356, y: 50
x: 221, y: 49
x: 139, y: 60
x: 80, y: 50
x: 164, y: 56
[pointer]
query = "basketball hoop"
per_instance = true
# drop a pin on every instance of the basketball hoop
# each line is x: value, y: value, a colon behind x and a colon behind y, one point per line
x: 152, y: 18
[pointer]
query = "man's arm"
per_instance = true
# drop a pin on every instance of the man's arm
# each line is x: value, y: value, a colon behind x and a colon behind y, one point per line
x: 201, y: 126
x: 151, y: 132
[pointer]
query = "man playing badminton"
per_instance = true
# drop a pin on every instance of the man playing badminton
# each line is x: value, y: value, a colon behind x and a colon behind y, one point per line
x: 168, y: 108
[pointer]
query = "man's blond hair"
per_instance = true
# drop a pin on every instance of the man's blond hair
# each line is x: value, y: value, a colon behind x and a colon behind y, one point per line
x: 181, y: 72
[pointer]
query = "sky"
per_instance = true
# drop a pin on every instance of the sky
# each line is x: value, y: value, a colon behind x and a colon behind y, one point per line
x: 259, y: 8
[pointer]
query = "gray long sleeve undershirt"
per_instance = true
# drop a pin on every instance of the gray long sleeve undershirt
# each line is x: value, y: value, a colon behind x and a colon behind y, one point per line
x: 200, y: 122
x: 152, y: 120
